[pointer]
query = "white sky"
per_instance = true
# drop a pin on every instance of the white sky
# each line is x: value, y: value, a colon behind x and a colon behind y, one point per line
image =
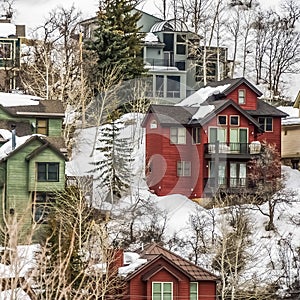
x: 33, y: 12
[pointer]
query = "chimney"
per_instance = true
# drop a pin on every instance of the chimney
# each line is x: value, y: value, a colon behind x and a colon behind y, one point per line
x: 117, y: 260
x: 13, y: 137
x: 20, y: 31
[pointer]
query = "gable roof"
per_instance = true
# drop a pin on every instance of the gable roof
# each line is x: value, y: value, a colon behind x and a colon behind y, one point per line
x: 223, y: 104
x: 168, y: 115
x: 153, y: 252
x: 52, y: 108
x: 233, y: 84
x: 266, y: 109
x: 44, y: 144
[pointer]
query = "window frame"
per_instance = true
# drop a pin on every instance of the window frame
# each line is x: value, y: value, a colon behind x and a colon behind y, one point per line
x: 161, y: 295
x: 153, y: 124
x: 5, y: 52
x: 222, y: 116
x: 46, y: 172
x: 41, y: 205
x: 176, y: 138
x: 184, y: 168
x: 264, y: 124
x: 192, y: 295
x: 44, y: 128
x: 238, y: 120
x: 196, y: 135
x: 241, y: 96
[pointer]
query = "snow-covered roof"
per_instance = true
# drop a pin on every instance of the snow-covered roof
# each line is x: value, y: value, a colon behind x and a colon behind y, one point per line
x: 293, y: 115
x: 7, y: 29
x: 133, y: 260
x: 290, y: 110
x: 203, y: 111
x: 170, y: 25
x: 15, y: 99
x: 202, y: 94
x: 150, y: 37
x: 6, y: 148
x: 160, y: 68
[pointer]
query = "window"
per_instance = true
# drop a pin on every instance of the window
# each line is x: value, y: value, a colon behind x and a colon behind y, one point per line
x: 42, y: 126
x: 238, y: 173
x: 196, y: 135
x: 47, y: 171
x: 193, y: 290
x: 162, y: 291
x: 153, y: 124
x: 5, y: 51
x: 41, y: 203
x: 222, y: 120
x: 242, y: 96
x: 266, y: 124
x: 234, y: 120
x: 159, y: 85
x: 178, y: 135
x: 217, y: 134
x: 181, y: 44
x: 184, y: 168
x: 173, y: 86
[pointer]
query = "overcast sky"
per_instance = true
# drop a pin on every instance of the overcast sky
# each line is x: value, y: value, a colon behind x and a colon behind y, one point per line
x: 33, y: 12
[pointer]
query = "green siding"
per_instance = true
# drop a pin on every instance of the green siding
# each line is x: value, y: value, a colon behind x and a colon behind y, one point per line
x: 46, y: 156
x: 55, y: 127
x: 20, y: 179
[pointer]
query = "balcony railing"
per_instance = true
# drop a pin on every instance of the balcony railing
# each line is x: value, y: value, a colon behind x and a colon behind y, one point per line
x: 228, y: 182
x: 180, y: 64
x: 233, y: 148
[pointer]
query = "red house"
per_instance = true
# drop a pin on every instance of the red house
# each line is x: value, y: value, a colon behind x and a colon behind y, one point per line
x: 207, y: 140
x: 163, y: 275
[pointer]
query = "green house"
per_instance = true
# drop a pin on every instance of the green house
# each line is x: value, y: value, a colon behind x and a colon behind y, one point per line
x: 32, y: 159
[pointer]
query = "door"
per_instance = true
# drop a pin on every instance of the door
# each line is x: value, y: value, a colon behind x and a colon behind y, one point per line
x: 238, y: 173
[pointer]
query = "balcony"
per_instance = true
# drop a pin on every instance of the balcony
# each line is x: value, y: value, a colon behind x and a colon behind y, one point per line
x: 229, y: 184
x: 180, y: 64
x: 242, y: 150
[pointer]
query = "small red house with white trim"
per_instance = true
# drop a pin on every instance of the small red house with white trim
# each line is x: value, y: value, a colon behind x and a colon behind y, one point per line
x: 164, y: 275
x: 207, y: 140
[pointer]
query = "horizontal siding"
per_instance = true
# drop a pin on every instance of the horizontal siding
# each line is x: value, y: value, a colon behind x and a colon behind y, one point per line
x: 55, y: 127
x: 290, y: 142
x: 207, y: 290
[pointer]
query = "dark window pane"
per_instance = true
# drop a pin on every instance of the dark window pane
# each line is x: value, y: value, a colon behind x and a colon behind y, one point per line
x: 181, y: 49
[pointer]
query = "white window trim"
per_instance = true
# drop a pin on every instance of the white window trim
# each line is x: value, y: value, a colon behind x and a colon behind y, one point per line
x: 197, y: 288
x: 162, y: 284
x: 238, y: 124
x: 197, y: 129
x: 177, y: 136
x: 244, y: 96
x: 183, y: 163
x: 265, y: 123
x: 222, y: 116
x: 153, y: 124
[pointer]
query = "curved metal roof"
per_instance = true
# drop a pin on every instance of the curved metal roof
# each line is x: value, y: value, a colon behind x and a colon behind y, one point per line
x: 170, y: 25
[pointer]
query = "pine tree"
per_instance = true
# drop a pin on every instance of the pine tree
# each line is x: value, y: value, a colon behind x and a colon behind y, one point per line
x: 113, y: 170
x: 117, y: 40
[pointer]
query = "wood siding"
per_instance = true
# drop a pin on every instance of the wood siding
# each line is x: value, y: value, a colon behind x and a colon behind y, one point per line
x: 290, y: 141
x: 141, y: 288
x: 251, y: 97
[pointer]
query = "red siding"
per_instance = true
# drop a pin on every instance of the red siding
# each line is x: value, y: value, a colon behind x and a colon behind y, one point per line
x: 207, y: 290
x: 273, y: 137
x: 142, y: 289
x: 251, y: 97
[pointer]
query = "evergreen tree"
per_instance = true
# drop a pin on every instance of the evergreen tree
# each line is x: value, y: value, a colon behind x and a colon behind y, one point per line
x: 117, y: 40
x: 113, y: 170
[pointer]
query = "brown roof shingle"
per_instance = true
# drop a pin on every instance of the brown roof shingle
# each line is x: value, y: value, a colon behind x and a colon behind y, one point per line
x: 154, y: 250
